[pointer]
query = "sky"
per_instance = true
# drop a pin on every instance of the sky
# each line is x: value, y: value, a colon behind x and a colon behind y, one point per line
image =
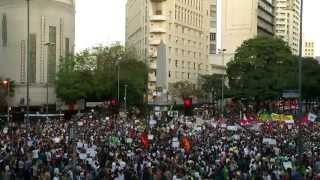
x: 103, y: 22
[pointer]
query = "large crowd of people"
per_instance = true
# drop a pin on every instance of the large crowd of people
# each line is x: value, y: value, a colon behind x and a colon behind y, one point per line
x: 95, y: 148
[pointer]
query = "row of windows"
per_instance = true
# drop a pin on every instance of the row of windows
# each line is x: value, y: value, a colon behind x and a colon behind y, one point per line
x: 184, y: 42
x: 309, y: 54
x: 309, y: 44
x: 185, y: 53
x: 4, y: 30
x: 266, y: 7
x: 187, y: 16
x: 187, y: 64
x: 213, y: 36
x: 309, y: 50
x: 192, y: 3
x: 182, y: 75
x: 186, y: 31
x: 213, y: 10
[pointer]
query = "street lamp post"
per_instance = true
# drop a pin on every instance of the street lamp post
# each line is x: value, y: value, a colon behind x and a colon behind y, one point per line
x: 300, y: 142
x: 198, y: 78
x: 47, y: 84
x: 125, y: 98
x: 28, y: 61
x: 222, y: 51
x: 118, y: 78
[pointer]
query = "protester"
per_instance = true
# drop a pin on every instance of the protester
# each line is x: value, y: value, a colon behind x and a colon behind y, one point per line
x: 108, y: 148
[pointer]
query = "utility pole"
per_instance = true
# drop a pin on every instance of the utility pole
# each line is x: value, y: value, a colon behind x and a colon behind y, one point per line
x: 300, y: 140
x: 222, y: 51
x: 49, y: 44
x: 118, y: 79
x: 125, y: 98
x: 28, y: 61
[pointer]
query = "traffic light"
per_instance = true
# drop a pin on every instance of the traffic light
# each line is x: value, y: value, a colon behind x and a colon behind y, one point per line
x: 114, y: 105
x: 187, y: 104
x: 114, y: 102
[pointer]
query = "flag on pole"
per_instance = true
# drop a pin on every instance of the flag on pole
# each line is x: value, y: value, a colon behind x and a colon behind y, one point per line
x: 244, y: 121
x: 145, y: 140
x: 186, y: 144
x: 305, y: 120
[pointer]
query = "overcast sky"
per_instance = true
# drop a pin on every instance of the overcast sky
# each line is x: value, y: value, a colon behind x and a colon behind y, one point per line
x: 103, y: 22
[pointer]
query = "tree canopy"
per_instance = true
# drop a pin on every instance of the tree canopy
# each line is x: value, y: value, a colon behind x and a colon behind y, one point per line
x: 92, y: 75
x: 262, y: 68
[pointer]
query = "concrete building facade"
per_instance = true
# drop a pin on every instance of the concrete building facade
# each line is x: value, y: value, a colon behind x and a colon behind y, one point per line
x: 182, y: 26
x: 52, y: 35
x: 287, y: 22
x: 243, y: 20
x: 308, y: 49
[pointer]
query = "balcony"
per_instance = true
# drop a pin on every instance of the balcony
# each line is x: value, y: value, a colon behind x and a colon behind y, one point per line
x: 153, y: 54
x: 152, y: 78
x: 154, y: 42
x: 158, y: 1
x: 158, y: 18
x: 157, y: 30
x: 153, y: 65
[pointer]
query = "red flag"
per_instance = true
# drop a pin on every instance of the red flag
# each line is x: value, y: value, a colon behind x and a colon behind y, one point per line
x: 186, y: 144
x: 305, y: 120
x: 187, y: 103
x: 252, y: 118
x: 144, y: 140
x: 244, y: 121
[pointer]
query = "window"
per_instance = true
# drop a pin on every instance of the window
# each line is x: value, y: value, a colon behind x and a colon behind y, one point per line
x: 212, y: 11
x: 212, y: 24
x: 212, y: 49
x: 23, y: 61
x: 4, y: 30
x: 169, y: 74
x: 176, y: 63
x: 158, y: 12
x: 51, y: 64
x: 33, y: 58
x: 67, y: 47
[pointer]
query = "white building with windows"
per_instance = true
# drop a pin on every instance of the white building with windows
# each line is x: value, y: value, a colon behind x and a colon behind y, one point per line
x: 308, y: 49
x: 52, y: 35
x: 180, y: 26
x: 287, y: 22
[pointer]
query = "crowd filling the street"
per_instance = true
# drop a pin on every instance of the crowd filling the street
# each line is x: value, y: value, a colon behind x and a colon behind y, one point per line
x: 100, y: 147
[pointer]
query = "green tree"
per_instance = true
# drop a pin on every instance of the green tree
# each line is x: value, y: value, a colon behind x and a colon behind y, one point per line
x: 92, y: 75
x: 211, y: 84
x: 262, y: 68
x: 310, y: 78
x: 71, y: 83
x: 185, y: 89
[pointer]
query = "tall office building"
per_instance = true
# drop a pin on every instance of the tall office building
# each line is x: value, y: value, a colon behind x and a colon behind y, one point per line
x: 308, y: 49
x: 172, y: 36
x: 287, y: 23
x: 243, y: 20
x: 213, y: 26
x: 216, y: 60
x: 52, y: 34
